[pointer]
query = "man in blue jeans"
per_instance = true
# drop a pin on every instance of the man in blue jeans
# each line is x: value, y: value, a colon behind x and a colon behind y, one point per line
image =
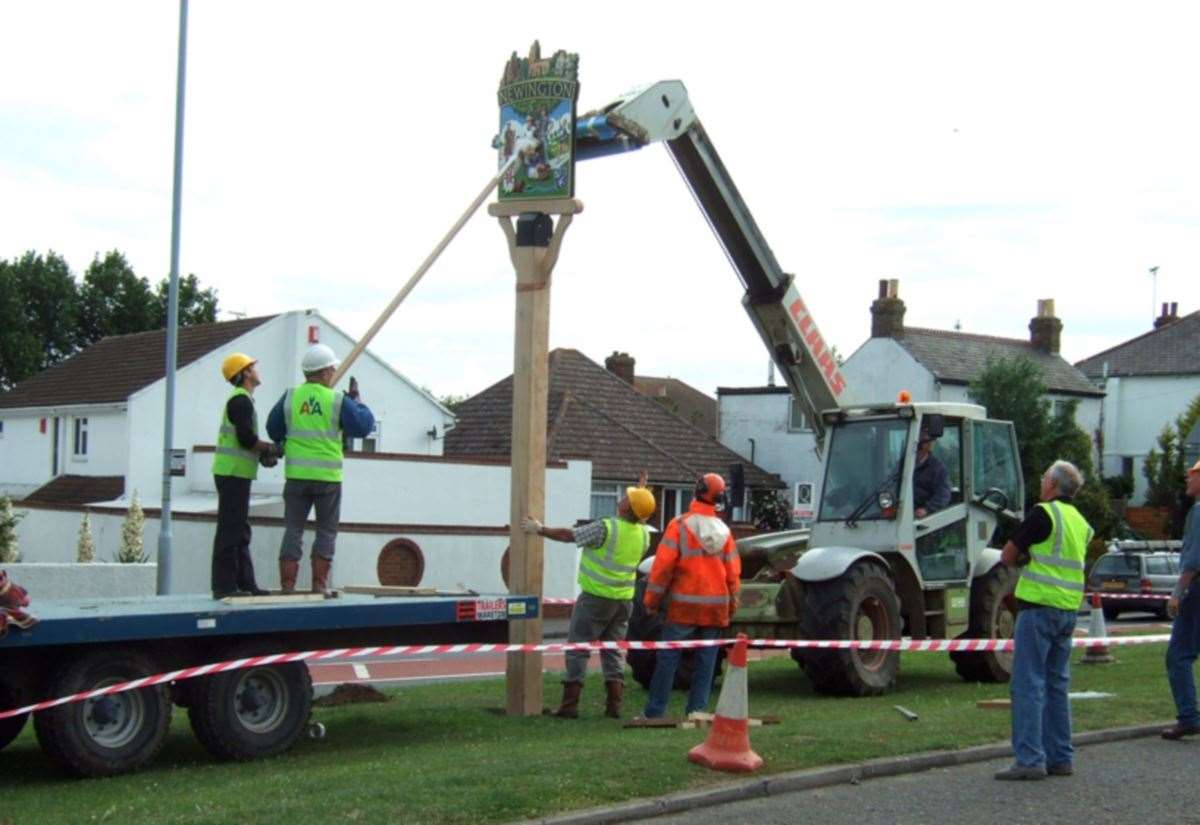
x: 1184, y: 606
x: 1050, y: 545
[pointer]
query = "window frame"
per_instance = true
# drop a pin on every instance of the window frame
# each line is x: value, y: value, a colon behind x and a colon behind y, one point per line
x: 79, y: 438
x: 793, y: 407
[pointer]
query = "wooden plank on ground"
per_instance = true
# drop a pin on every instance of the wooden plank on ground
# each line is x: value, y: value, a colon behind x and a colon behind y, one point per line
x: 994, y: 704
x: 398, y: 590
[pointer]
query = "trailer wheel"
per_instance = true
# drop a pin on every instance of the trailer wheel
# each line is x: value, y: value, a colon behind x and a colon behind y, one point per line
x: 251, y: 713
x: 106, y: 735
x: 993, y: 616
x: 860, y: 604
x: 11, y: 727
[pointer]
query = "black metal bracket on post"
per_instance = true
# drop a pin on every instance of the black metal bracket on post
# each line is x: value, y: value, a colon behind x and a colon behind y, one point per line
x: 534, y: 229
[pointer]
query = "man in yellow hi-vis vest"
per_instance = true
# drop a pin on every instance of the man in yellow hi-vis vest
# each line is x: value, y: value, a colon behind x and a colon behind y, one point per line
x: 311, y: 420
x: 611, y: 549
x: 1050, y: 546
x: 236, y: 457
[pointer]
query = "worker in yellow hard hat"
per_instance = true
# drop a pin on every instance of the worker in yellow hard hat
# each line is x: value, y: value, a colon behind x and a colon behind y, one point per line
x: 238, y: 454
x: 612, y: 548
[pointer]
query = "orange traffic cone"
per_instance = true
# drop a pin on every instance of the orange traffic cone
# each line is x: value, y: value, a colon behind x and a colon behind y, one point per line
x: 727, y: 747
x: 1096, y: 654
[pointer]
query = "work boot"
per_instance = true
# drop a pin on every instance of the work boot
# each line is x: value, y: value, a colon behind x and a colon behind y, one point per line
x: 11, y: 593
x: 615, y: 692
x: 569, y: 708
x: 321, y: 569
x: 18, y: 617
x: 289, y: 569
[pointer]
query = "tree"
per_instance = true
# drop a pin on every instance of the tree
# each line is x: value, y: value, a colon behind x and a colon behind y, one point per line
x: 1165, y: 470
x: 130, y: 551
x: 47, y: 298
x: 9, y: 554
x: 196, y: 305
x: 19, y: 346
x: 85, y: 546
x: 1012, y: 389
x: 113, y: 300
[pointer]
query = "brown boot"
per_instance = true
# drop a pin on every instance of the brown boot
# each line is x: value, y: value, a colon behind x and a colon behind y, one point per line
x: 615, y: 692
x: 289, y: 569
x: 320, y: 575
x: 569, y: 709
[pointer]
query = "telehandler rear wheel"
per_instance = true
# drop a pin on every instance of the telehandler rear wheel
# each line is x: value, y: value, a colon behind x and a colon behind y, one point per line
x: 993, y: 616
x: 860, y: 604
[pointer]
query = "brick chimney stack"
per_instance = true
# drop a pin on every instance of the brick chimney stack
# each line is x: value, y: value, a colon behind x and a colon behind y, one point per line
x: 620, y: 364
x: 1170, y: 314
x: 1045, y: 331
x: 887, y: 311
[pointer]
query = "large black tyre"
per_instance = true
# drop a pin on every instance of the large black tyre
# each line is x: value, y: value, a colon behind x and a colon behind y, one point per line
x: 11, y: 727
x: 859, y: 604
x: 111, y: 734
x: 647, y: 627
x: 993, y: 616
x: 253, y: 712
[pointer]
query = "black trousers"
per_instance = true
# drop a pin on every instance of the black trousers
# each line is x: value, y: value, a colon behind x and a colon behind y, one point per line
x: 232, y: 568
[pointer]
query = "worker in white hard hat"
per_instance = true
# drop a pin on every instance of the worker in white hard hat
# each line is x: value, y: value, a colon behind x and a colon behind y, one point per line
x: 611, y: 549
x: 311, y: 421
x: 238, y: 454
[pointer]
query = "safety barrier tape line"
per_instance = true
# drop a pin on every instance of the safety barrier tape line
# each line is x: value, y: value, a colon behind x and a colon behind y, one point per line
x: 898, y: 645
x: 1139, y: 596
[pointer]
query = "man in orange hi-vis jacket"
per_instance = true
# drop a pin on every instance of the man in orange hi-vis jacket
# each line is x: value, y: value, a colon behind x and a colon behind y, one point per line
x: 696, y: 574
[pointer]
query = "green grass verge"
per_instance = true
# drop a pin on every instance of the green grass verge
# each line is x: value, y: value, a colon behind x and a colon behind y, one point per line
x: 446, y: 754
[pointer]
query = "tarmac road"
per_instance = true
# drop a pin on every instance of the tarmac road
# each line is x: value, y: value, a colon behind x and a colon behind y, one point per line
x: 1130, y: 781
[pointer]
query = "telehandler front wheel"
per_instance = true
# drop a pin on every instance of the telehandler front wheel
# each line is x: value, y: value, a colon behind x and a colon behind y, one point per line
x: 993, y: 616
x: 860, y: 604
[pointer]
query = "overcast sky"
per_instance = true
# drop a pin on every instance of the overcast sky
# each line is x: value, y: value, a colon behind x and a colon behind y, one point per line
x: 986, y: 155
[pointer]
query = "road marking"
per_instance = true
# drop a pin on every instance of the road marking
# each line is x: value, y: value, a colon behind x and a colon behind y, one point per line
x: 361, y: 672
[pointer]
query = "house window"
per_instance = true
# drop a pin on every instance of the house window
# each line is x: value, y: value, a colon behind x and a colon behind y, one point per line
x: 81, y: 438
x: 604, y: 500
x: 797, y: 419
x: 1127, y: 467
x: 1, y: 429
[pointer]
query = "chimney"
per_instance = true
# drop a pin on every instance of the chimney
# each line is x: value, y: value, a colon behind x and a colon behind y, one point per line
x: 1045, y: 331
x: 1170, y: 314
x: 887, y: 311
x: 620, y: 364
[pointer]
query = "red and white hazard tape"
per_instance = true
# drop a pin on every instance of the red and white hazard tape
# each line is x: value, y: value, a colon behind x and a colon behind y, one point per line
x: 1138, y: 596
x: 909, y: 645
x: 555, y: 600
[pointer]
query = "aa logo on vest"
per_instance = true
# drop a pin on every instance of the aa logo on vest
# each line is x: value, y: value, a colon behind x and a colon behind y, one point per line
x: 311, y: 407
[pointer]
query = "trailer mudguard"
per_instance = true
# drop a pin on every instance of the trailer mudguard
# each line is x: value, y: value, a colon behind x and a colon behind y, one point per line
x: 818, y: 564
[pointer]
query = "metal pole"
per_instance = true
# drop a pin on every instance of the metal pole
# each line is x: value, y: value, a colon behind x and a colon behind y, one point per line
x: 164, y: 533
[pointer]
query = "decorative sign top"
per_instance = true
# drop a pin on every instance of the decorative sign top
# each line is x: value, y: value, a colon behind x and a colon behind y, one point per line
x: 537, y: 122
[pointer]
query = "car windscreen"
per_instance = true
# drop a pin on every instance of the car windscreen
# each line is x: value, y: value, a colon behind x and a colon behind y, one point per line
x: 865, y: 459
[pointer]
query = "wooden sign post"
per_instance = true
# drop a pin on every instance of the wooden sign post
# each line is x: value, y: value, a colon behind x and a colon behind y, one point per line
x: 537, y: 125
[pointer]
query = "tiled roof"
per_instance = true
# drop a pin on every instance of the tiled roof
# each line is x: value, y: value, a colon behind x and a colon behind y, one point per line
x: 959, y: 358
x: 684, y: 400
x: 78, y: 490
x: 594, y: 414
x: 114, y: 368
x: 1168, y: 350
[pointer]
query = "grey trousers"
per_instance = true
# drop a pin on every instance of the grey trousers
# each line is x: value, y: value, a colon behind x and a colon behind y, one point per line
x: 595, y: 619
x: 299, y: 497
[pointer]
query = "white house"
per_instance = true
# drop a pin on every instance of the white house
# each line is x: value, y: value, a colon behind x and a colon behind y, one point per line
x: 87, y: 434
x: 1148, y: 382
x: 932, y: 365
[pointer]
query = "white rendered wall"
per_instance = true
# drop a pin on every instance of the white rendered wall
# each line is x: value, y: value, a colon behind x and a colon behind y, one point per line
x: 880, y: 368
x: 1136, y: 409
x: 376, y: 492
x: 25, y: 452
x: 764, y: 417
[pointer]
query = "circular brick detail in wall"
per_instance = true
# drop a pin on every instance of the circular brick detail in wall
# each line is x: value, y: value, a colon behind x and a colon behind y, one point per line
x: 504, y: 569
x: 401, y: 564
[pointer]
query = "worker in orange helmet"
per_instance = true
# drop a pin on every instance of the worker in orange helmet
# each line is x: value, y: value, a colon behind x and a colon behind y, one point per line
x: 697, y: 573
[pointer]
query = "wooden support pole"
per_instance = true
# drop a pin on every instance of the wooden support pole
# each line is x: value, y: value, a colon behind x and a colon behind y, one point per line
x: 534, y: 264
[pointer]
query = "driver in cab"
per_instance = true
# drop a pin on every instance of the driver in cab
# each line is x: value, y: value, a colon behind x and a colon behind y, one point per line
x: 930, y: 482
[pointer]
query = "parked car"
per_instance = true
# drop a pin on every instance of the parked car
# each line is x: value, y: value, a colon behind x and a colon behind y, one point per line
x: 1132, y: 572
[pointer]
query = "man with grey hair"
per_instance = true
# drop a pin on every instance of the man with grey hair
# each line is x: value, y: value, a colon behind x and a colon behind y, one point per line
x: 1050, y: 546
x: 1184, y: 607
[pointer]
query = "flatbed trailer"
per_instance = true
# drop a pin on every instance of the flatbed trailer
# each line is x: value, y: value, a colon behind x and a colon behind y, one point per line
x: 241, y: 714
